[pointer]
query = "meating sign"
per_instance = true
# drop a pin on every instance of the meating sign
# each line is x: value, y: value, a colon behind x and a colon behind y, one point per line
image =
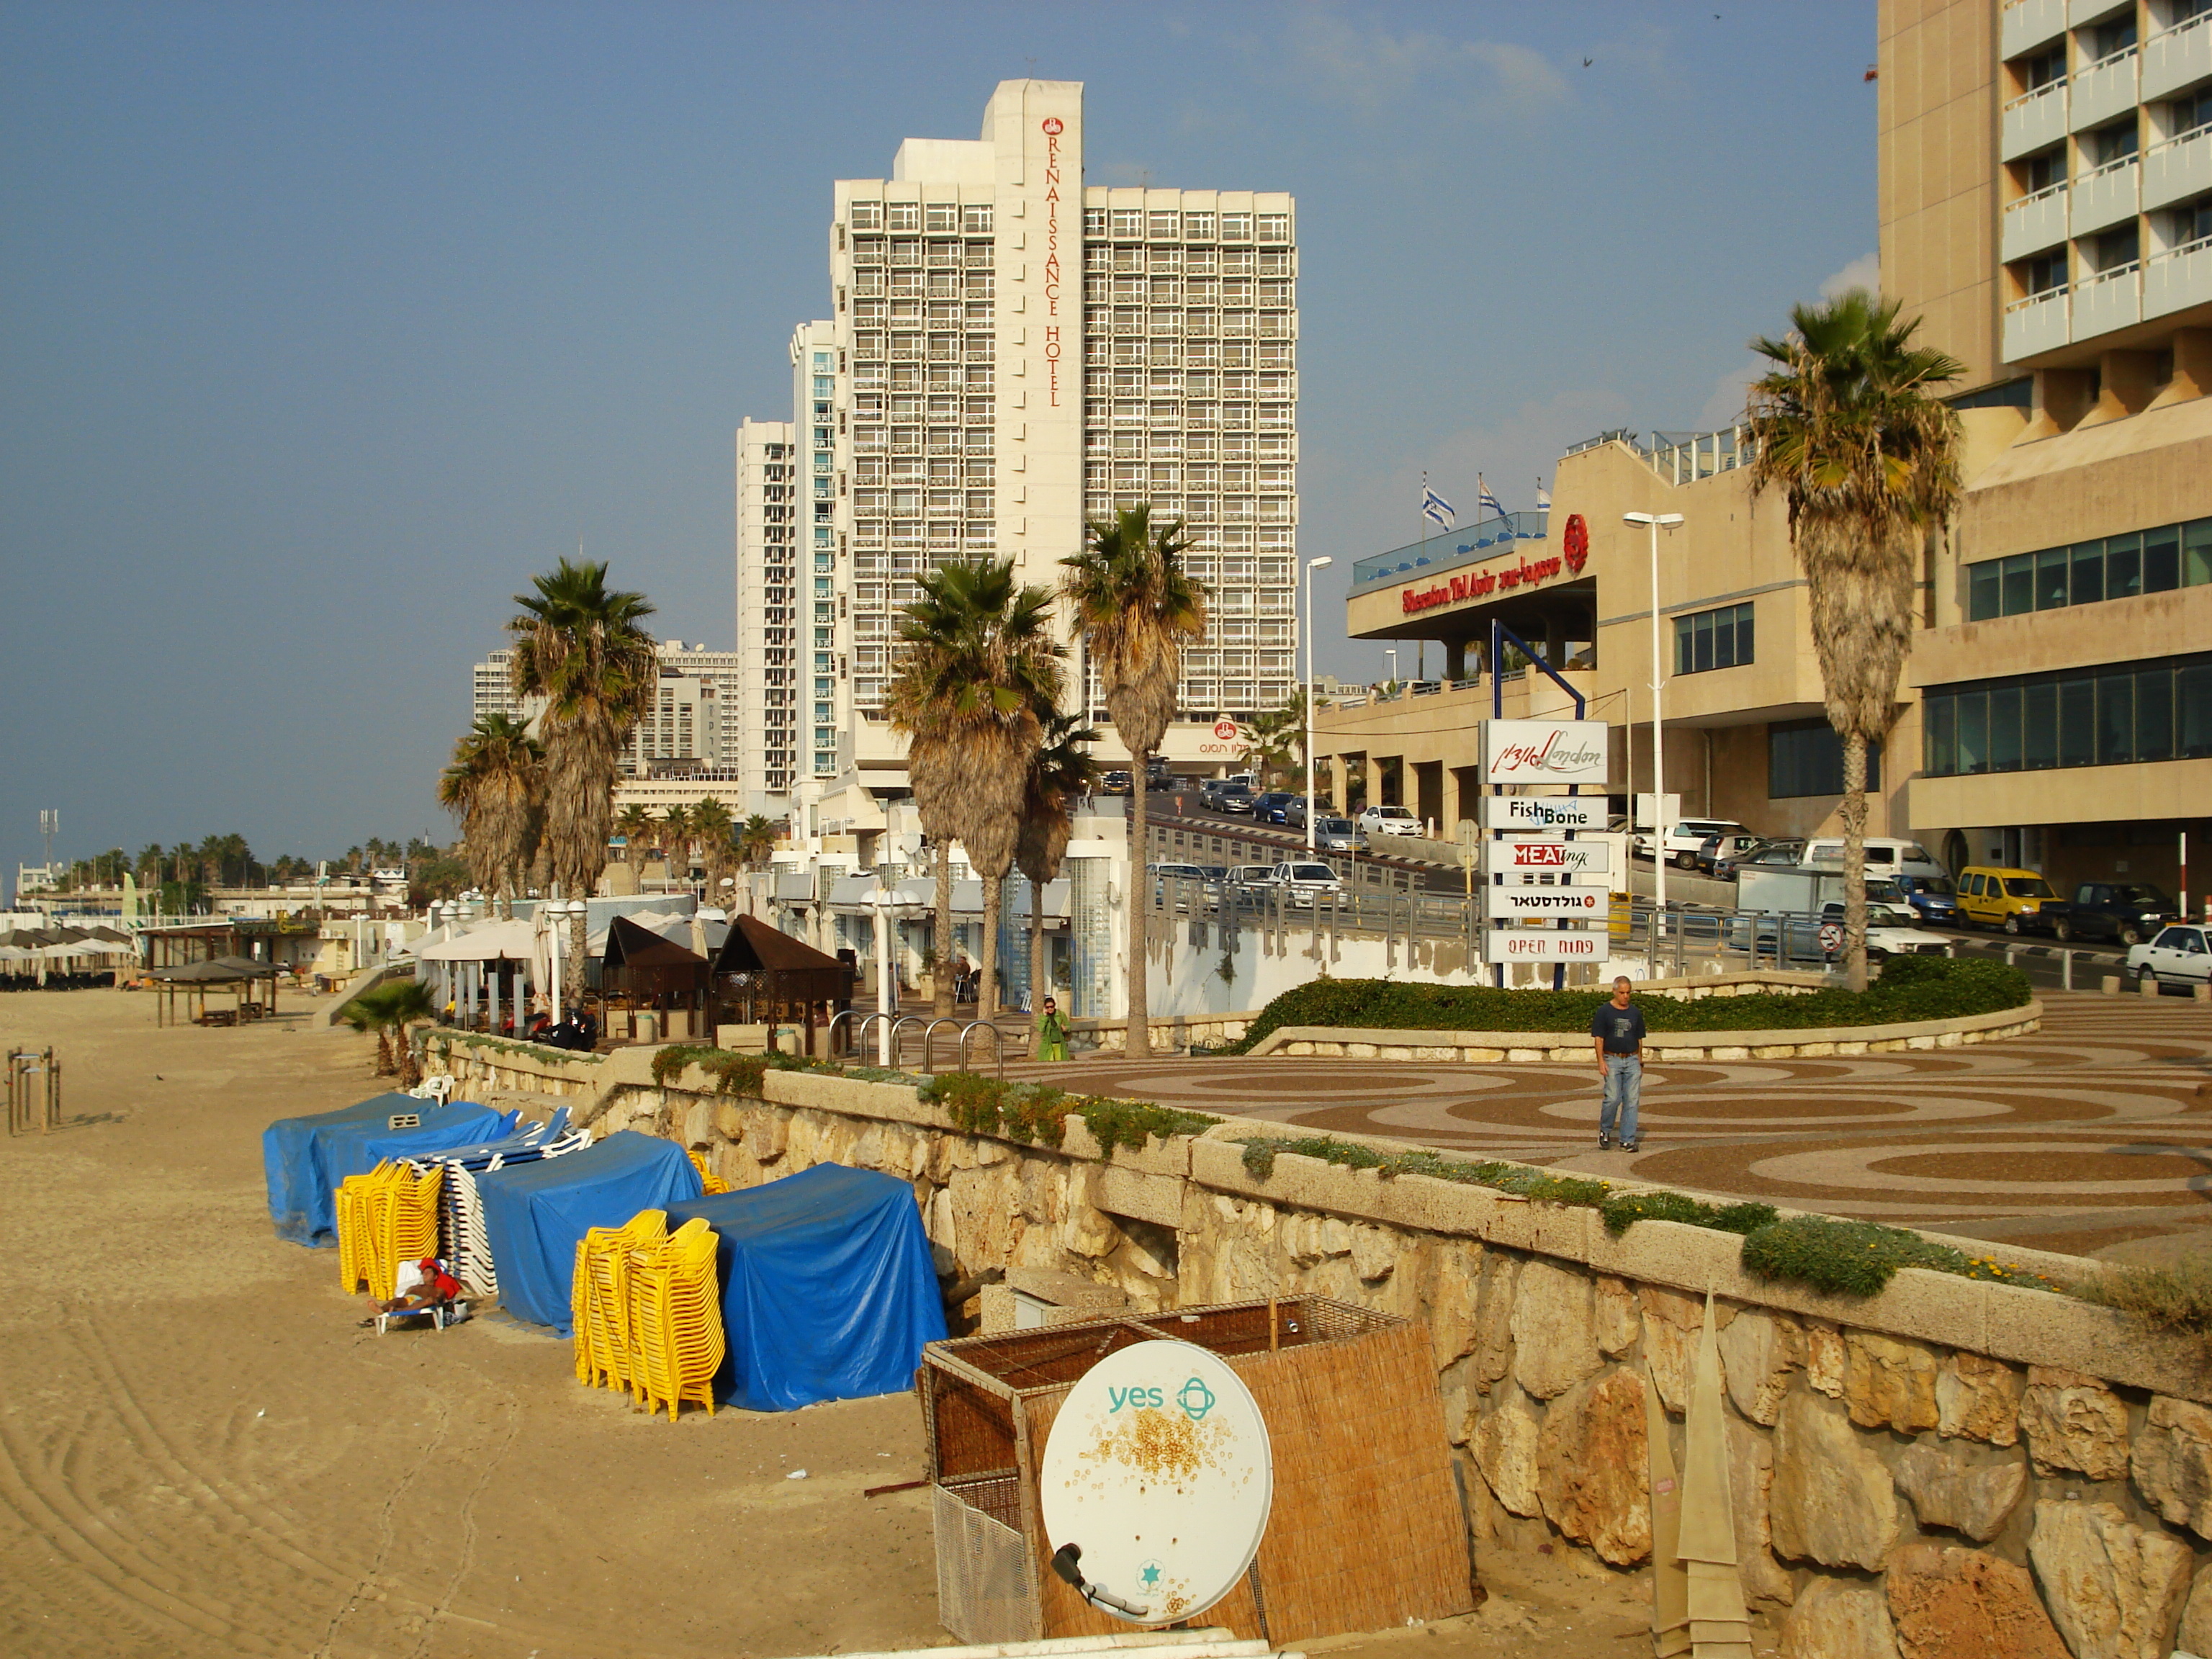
x: 1546, y: 945
x: 1543, y: 752
x: 1577, y: 903
x: 1589, y: 858
x: 1543, y: 811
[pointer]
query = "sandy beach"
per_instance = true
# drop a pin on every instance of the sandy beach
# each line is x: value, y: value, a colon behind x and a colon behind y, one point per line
x: 203, y: 1453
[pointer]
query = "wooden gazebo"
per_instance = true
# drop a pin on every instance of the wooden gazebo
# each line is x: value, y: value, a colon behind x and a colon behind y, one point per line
x: 238, y: 974
x: 761, y: 975
x: 642, y: 969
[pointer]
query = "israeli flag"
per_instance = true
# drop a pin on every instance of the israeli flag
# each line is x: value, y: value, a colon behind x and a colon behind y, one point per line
x: 1488, y: 502
x: 1434, y: 506
x: 1543, y: 499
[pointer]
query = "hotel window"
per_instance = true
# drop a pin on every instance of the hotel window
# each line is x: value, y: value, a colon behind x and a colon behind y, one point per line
x: 2111, y: 716
x: 1274, y: 227
x: 1164, y: 226
x: 905, y: 215
x: 1198, y: 227
x: 1236, y: 227
x: 943, y: 216
x: 976, y: 219
x: 1094, y: 221
x: 2086, y: 573
x: 1714, y: 638
x: 1128, y: 222
x: 1806, y: 757
x: 867, y: 216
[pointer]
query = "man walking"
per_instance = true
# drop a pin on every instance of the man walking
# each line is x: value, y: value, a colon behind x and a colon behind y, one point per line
x: 1617, y: 1035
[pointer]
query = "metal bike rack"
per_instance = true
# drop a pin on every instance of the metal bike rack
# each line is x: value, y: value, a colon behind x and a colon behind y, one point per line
x: 899, y: 1025
x: 929, y: 1040
x: 829, y: 1034
x: 998, y: 1044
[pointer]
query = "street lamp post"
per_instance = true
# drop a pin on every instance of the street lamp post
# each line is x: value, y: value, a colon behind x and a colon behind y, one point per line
x: 1654, y: 522
x: 1391, y: 651
x: 1312, y: 565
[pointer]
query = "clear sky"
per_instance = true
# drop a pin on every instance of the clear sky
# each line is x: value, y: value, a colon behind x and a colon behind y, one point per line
x: 325, y: 326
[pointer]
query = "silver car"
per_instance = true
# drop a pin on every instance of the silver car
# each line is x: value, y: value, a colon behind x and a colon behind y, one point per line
x: 1336, y: 836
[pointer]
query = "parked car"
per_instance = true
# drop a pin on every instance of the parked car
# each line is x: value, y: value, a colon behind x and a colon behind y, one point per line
x: 1388, y: 821
x: 1305, y: 883
x: 2128, y: 911
x: 1994, y: 897
x: 1715, y: 849
x: 2178, y: 956
x: 1215, y: 872
x: 1163, y: 872
x: 1251, y: 875
x: 1336, y: 836
x: 1936, y: 897
x: 1886, y: 855
x: 1891, y: 932
x: 1294, y: 815
x: 1274, y: 806
x: 1232, y: 797
x: 1117, y: 783
x: 1684, y: 839
x: 1779, y: 853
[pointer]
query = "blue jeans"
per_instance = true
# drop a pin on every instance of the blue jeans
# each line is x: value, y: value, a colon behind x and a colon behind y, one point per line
x: 1624, y: 1083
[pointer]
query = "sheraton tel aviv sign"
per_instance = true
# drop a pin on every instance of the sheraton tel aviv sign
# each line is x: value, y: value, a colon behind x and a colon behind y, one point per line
x: 1480, y: 584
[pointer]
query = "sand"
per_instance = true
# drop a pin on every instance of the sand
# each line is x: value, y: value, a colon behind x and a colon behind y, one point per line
x: 202, y: 1453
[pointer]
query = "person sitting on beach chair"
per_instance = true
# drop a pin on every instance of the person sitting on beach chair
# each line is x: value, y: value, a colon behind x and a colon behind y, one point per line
x: 420, y: 1286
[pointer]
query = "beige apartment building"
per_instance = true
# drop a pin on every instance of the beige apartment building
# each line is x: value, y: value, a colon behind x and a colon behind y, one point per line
x: 2045, y: 207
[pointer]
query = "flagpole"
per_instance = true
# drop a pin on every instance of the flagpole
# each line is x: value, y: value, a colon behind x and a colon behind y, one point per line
x: 1421, y: 646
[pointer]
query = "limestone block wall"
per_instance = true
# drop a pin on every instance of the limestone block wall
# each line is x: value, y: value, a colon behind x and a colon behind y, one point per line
x: 1952, y: 1466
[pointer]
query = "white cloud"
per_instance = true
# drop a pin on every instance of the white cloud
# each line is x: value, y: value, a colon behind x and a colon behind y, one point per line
x: 1366, y: 69
x: 1865, y: 272
x: 1723, y: 405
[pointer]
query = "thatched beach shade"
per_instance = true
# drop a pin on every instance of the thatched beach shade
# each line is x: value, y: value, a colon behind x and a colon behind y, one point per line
x: 641, y: 969
x: 194, y: 979
x: 764, y: 976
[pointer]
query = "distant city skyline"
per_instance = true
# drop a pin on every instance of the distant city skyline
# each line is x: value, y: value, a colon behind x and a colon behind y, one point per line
x: 330, y: 328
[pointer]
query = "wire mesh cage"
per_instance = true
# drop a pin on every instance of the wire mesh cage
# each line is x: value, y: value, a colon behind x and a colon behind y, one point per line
x: 1367, y: 1530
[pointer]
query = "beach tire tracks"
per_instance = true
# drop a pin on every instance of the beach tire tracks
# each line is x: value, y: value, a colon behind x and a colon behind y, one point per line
x: 387, y: 1526
x: 465, y: 1557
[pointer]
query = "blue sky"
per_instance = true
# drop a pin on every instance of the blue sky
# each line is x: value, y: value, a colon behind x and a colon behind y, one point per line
x: 327, y: 326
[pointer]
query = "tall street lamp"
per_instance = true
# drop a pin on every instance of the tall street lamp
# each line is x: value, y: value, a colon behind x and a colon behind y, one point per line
x: 1654, y: 522
x: 1312, y: 565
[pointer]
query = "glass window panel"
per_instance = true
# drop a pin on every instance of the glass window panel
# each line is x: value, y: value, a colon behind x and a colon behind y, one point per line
x: 1743, y: 635
x: 2116, y: 718
x: 2038, y: 727
x: 2192, y: 712
x: 2051, y: 579
x: 1973, y: 732
x: 1724, y: 639
x: 2154, y: 714
x: 2004, y: 729
x: 2196, y: 553
x: 2019, y: 584
x: 1704, y: 640
x: 2123, y: 567
x: 2089, y: 581
x: 1685, y: 650
x: 1943, y: 737
x: 2161, y: 560
x: 2077, y: 722
x: 1984, y: 591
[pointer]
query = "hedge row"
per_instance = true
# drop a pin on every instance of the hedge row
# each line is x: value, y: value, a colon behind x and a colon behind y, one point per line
x: 1852, y: 1258
x: 1909, y: 988
x: 741, y: 1074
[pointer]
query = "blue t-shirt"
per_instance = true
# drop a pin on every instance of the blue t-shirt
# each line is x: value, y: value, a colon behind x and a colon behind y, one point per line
x: 1620, y: 1029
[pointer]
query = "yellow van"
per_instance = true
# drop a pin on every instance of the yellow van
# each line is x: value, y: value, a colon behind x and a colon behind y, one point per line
x: 1990, y: 897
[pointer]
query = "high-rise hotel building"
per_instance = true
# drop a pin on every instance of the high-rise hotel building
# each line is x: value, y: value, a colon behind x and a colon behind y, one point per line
x: 1010, y: 354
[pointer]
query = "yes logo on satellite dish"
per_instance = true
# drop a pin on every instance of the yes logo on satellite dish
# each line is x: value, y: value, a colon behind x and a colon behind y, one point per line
x: 1156, y: 1482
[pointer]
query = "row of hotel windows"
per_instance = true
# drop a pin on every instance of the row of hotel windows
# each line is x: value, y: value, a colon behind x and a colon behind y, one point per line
x: 1123, y: 224
x: 1713, y: 639
x: 2112, y: 567
x: 2110, y: 716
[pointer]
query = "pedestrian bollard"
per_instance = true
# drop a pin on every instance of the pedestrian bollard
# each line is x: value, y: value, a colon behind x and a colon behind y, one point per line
x: 2110, y: 985
x: 2148, y: 984
x: 2203, y: 993
x: 2066, y: 970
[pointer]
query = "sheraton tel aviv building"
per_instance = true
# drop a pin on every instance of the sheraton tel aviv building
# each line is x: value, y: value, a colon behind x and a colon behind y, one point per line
x: 1008, y: 352
x: 2045, y: 206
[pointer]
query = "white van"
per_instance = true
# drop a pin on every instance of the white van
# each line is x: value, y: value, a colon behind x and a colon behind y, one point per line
x: 1886, y: 855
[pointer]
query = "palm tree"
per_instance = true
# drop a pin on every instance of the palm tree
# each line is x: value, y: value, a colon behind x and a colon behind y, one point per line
x: 673, y: 832
x: 1275, y: 738
x: 389, y: 1010
x: 1848, y: 428
x: 495, y: 787
x: 715, y: 830
x: 1061, y: 770
x: 579, y: 646
x: 1137, y: 608
x: 635, y: 824
x: 757, y: 840
x: 976, y: 663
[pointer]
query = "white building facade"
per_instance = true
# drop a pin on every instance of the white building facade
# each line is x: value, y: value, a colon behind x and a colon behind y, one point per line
x: 766, y: 754
x: 693, y: 729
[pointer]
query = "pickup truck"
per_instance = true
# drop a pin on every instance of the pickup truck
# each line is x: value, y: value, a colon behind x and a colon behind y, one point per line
x: 2129, y: 912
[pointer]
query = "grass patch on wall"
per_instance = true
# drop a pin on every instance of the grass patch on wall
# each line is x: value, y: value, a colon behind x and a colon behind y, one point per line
x: 1033, y: 1112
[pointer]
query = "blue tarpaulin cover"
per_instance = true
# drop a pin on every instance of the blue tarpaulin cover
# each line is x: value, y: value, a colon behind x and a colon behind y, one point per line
x: 828, y: 1292
x: 536, y: 1214
x: 306, y: 1157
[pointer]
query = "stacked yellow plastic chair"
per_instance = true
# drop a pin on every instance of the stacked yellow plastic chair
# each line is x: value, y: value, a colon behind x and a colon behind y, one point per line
x: 385, y: 1218
x: 711, y: 1182
x: 598, y: 1300
x: 676, y: 1318
x: 351, y: 1200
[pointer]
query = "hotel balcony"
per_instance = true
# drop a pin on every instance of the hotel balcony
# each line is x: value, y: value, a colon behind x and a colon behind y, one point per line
x: 2108, y: 300
x: 2026, y: 24
x: 2178, y: 278
x: 2179, y: 169
x: 2034, y: 223
x: 2105, y: 90
x: 2106, y: 197
x: 2034, y: 121
x: 2035, y: 324
x: 2177, y: 57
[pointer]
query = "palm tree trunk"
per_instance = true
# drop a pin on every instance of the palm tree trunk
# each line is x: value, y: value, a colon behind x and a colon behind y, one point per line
x: 1138, y: 1045
x: 579, y: 942
x: 384, y: 1065
x: 941, y: 976
x: 1855, y: 899
x: 1038, y: 988
x: 986, y: 980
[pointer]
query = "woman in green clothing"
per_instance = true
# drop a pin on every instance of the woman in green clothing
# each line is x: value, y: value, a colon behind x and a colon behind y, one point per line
x: 1052, y: 1035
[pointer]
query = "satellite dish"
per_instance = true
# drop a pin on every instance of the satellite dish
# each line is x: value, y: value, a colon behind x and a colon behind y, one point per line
x: 1157, y: 1481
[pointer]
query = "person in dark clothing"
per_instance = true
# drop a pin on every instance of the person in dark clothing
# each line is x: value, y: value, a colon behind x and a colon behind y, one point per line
x: 1617, y: 1036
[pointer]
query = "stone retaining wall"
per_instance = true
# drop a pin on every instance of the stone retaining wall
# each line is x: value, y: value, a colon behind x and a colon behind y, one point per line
x: 1948, y: 1457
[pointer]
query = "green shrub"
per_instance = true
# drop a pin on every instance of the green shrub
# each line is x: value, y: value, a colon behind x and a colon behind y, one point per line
x: 1909, y: 988
x: 2176, y: 1298
x: 1858, y: 1258
x: 1624, y: 1210
x: 1030, y: 1112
